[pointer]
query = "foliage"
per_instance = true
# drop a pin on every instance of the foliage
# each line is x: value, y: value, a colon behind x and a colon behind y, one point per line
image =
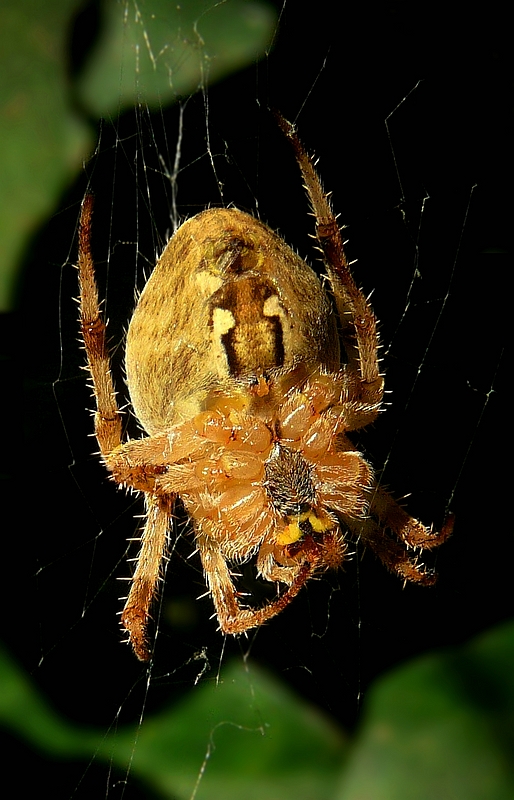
x: 147, y: 52
x: 439, y: 726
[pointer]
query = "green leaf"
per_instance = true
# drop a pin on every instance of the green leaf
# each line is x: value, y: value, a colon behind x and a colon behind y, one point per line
x: 248, y: 735
x: 256, y: 738
x: 440, y: 727
x: 42, y: 141
x: 152, y: 52
x: 157, y: 51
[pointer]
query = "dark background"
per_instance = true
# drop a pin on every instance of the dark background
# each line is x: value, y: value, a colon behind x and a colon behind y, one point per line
x: 433, y: 249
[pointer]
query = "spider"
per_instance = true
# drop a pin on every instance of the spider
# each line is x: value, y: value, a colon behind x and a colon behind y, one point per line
x: 248, y: 373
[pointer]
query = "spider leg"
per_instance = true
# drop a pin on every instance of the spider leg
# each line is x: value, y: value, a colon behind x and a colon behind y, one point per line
x: 393, y: 556
x: 358, y: 322
x: 136, y: 612
x: 141, y: 463
x: 411, y: 532
x: 148, y: 465
x: 232, y: 617
x: 407, y: 528
x: 108, y: 433
x: 107, y: 416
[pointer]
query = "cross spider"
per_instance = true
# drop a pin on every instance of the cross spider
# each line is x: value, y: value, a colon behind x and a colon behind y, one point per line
x: 234, y: 369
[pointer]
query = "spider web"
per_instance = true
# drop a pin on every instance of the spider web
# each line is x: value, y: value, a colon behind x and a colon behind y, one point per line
x: 414, y: 175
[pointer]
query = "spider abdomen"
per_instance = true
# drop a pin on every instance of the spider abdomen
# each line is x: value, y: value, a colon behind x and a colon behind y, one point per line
x: 217, y: 310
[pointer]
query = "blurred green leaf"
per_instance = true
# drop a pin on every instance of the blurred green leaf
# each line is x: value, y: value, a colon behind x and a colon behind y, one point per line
x: 440, y: 727
x: 158, y: 50
x: 152, y: 51
x: 253, y: 735
x: 25, y: 712
x: 42, y: 142
x: 257, y: 739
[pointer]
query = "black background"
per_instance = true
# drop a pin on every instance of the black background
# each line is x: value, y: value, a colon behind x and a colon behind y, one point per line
x: 339, y: 74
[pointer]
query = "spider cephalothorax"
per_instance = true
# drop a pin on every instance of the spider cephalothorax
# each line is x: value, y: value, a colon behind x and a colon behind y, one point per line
x: 235, y: 372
